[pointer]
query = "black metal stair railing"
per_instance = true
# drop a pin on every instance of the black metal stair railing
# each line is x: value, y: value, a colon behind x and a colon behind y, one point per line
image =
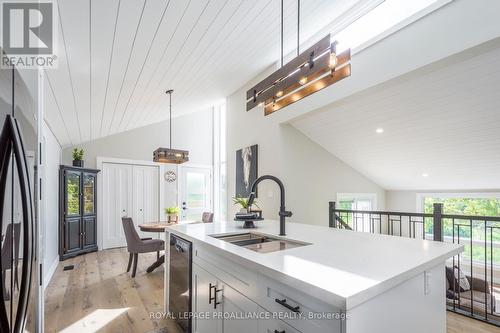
x: 480, y: 261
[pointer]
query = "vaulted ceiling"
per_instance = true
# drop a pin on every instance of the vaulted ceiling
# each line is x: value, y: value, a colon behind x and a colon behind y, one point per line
x: 117, y: 57
x: 441, y: 126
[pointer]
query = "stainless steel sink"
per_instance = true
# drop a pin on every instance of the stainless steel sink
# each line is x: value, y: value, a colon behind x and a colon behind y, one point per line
x: 259, y: 242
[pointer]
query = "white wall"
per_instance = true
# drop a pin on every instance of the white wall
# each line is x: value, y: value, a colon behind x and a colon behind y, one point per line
x: 51, y: 160
x: 311, y: 175
x: 191, y: 132
x: 406, y: 201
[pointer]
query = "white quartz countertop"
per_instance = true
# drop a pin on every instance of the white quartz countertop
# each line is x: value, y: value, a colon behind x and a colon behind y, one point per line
x: 341, y: 267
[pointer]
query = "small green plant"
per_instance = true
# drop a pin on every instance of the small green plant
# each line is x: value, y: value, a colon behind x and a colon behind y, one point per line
x: 78, y: 154
x: 172, y: 210
x: 243, y: 202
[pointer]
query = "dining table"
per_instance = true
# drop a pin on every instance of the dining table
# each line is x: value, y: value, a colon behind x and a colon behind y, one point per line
x: 159, y: 227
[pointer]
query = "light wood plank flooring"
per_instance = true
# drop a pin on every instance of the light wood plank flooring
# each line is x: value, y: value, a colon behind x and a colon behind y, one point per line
x: 460, y: 324
x: 99, y: 296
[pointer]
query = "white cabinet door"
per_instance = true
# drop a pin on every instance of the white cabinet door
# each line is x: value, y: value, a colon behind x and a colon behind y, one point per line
x: 203, y: 291
x: 117, y: 202
x: 145, y: 197
x: 236, y: 309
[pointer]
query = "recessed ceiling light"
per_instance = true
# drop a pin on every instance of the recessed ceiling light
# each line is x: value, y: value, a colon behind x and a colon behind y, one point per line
x: 379, y: 130
x: 425, y: 175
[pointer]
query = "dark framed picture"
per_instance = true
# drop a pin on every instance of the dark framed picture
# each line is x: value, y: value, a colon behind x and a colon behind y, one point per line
x: 246, y: 170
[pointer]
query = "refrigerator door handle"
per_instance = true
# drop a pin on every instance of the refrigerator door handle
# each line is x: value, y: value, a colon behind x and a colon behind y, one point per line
x: 11, y: 142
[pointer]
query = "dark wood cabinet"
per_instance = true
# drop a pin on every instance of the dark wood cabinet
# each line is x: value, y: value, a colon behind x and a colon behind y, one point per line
x: 77, y: 211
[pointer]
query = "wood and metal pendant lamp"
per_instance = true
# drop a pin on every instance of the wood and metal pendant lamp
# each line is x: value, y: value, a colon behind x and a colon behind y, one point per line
x: 310, y: 71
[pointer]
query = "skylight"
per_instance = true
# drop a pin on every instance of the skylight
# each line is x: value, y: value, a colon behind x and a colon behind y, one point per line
x: 387, y: 17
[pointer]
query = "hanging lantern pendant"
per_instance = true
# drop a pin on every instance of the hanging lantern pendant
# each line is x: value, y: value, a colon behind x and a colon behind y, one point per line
x: 169, y: 155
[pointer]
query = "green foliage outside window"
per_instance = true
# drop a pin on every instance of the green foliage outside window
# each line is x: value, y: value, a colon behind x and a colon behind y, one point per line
x: 345, y: 204
x: 73, y: 193
x: 475, y: 207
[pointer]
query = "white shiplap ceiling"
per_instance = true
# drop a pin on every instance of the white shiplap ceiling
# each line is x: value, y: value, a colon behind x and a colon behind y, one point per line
x: 442, y: 120
x: 117, y: 57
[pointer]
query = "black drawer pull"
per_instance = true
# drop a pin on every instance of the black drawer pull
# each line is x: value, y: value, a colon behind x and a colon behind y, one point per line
x: 214, y: 298
x: 276, y: 331
x: 210, y: 298
x: 283, y: 302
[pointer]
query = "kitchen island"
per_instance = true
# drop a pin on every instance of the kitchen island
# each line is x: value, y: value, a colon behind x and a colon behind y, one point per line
x: 318, y: 280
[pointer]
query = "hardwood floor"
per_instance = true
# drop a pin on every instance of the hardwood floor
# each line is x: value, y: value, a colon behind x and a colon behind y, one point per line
x: 99, y: 296
x: 460, y: 324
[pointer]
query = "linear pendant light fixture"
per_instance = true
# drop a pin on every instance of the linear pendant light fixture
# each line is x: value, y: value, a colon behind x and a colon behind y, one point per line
x: 169, y: 155
x: 310, y: 71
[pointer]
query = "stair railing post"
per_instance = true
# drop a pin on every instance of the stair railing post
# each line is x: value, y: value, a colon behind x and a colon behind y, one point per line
x: 331, y: 214
x: 438, y: 222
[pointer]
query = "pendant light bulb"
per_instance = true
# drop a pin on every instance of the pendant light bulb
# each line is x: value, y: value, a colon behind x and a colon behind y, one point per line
x: 333, y: 61
x: 303, y: 80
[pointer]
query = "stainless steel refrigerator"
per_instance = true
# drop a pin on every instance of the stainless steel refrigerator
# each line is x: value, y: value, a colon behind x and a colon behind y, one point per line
x: 19, y: 143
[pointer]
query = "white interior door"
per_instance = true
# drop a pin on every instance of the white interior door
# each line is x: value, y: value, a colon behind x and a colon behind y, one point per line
x: 195, y: 192
x: 146, y: 199
x: 117, y: 202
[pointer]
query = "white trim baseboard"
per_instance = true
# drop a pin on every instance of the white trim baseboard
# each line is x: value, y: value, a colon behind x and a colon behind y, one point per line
x: 50, y: 273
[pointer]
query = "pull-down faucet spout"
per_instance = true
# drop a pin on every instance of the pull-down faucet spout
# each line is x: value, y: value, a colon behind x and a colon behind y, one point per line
x: 282, y: 213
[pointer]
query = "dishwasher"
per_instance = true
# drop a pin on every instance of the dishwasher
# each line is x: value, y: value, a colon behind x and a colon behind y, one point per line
x: 180, y: 282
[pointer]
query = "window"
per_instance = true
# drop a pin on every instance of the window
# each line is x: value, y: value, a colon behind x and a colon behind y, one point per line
x: 388, y: 16
x: 220, y: 164
x: 471, y: 204
x: 357, y: 201
x: 475, y: 204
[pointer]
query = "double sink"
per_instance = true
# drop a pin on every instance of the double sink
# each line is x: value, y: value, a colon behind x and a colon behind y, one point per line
x: 259, y: 242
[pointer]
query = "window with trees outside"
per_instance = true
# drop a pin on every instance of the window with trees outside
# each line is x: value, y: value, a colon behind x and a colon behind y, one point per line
x: 473, y: 204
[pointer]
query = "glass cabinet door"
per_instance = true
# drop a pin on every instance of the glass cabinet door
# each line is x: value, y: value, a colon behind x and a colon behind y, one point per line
x: 88, y: 193
x: 72, y: 193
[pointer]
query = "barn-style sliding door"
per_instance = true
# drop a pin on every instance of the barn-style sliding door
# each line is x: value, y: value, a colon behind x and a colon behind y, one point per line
x: 132, y: 191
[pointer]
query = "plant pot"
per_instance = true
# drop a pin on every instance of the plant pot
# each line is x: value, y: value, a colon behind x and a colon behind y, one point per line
x: 172, y: 218
x: 243, y: 210
x: 78, y: 163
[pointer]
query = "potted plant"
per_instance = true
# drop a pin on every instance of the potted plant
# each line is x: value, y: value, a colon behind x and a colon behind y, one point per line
x: 173, y: 214
x: 78, y: 157
x: 243, y: 203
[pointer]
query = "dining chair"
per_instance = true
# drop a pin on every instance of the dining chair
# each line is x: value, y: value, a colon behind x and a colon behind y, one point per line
x: 7, y: 253
x: 207, y: 217
x: 136, y: 244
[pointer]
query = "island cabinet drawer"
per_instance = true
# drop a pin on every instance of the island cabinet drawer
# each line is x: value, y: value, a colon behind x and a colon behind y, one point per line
x: 273, y: 325
x: 231, y: 273
x: 296, y: 308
